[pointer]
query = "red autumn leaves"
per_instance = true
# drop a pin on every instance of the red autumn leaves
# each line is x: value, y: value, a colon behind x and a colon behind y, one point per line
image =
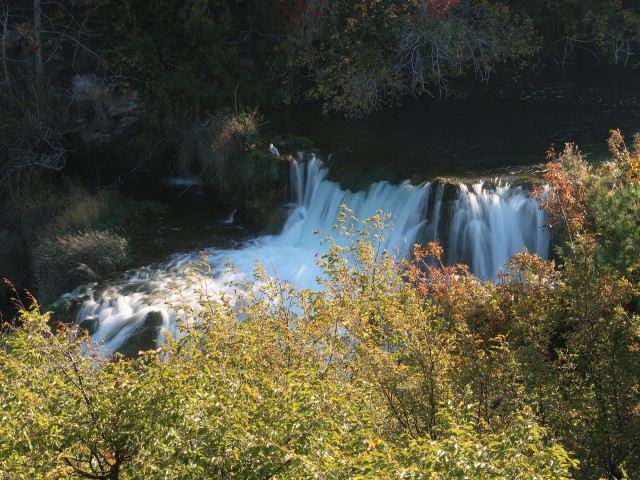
x: 440, y: 7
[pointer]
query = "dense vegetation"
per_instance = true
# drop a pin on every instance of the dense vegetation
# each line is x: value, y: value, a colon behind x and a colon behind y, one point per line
x: 411, y: 370
x: 390, y: 370
x: 165, y: 86
x: 63, y: 62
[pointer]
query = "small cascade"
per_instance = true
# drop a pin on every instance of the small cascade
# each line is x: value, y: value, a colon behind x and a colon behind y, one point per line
x: 487, y: 225
x: 186, y: 183
x: 231, y: 218
x: 476, y: 224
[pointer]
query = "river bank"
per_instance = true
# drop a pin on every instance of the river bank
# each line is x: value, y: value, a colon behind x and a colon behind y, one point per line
x: 501, y: 131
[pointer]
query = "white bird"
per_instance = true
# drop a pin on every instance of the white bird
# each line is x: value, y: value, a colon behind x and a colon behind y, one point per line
x: 273, y: 149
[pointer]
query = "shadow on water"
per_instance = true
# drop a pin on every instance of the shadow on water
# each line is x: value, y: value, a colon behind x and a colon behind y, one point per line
x: 495, y: 129
x: 192, y: 218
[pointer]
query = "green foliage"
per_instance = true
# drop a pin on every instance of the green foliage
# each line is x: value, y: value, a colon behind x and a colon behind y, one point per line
x: 188, y: 58
x: 591, y: 311
x: 53, y: 227
x: 34, y: 133
x: 393, y: 369
x: 227, y: 152
x: 63, y: 233
x: 615, y: 207
x: 43, y: 44
x: 38, y: 207
x: 353, y: 57
x: 604, y: 30
x: 366, y: 55
x: 275, y: 383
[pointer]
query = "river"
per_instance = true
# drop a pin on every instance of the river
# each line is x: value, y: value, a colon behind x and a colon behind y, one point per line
x: 455, y: 171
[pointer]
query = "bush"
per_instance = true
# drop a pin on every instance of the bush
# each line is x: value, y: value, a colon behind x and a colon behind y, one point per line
x: 253, y: 394
x: 65, y: 261
x: 83, y: 211
x: 222, y: 151
x: 40, y: 209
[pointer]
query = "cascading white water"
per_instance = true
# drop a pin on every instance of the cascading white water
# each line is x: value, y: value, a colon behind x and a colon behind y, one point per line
x: 488, y: 226
x: 484, y: 228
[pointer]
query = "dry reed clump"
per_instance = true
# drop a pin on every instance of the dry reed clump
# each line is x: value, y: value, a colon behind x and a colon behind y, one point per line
x: 39, y: 211
x: 65, y: 261
x: 30, y: 211
x: 81, y: 212
x: 208, y: 149
x: 86, y: 211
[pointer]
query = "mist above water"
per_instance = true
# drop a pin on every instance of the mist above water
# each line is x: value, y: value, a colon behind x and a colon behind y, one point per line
x: 478, y: 224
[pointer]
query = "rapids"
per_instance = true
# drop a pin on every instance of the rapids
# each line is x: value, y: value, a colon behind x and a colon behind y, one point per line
x: 481, y: 224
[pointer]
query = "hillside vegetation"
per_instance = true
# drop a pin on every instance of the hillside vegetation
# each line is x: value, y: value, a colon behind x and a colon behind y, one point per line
x: 390, y: 370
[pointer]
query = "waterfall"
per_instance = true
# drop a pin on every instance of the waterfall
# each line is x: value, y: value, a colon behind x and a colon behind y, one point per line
x: 488, y: 225
x: 478, y: 225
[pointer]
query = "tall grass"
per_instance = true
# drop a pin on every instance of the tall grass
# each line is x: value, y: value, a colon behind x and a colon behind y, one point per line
x: 40, y: 210
x: 64, y: 261
x: 63, y: 230
x: 222, y: 151
x: 102, y: 210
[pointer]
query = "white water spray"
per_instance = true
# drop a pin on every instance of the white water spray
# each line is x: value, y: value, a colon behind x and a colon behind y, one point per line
x: 483, y: 228
x: 488, y: 226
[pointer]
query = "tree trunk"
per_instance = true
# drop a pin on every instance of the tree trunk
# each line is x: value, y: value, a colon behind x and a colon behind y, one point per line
x: 37, y: 23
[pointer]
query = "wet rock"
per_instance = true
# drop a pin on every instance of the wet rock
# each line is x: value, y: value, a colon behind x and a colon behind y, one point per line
x: 90, y: 324
x: 144, y: 337
x: 65, y: 309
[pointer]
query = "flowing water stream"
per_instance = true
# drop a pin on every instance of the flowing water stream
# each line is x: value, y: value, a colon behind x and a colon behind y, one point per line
x: 480, y: 224
x: 388, y: 162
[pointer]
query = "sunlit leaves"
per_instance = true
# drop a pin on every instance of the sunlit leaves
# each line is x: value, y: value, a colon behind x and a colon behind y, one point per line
x: 594, y: 315
x: 565, y: 201
x: 361, y: 380
x: 392, y: 370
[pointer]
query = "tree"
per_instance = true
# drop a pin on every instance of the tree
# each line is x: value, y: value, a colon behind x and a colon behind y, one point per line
x: 592, y: 314
x: 39, y: 42
x: 365, y: 55
x: 587, y: 30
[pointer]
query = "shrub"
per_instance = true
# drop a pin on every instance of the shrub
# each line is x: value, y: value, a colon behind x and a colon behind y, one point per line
x: 65, y: 261
x: 222, y: 151
x: 83, y: 211
x: 250, y: 396
x: 39, y: 209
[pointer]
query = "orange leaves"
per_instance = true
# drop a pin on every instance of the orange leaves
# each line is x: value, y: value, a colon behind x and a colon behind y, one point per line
x: 423, y: 290
x: 565, y: 199
x: 485, y: 309
x: 455, y: 291
x: 433, y: 249
x: 440, y: 7
x: 530, y: 266
x: 628, y: 160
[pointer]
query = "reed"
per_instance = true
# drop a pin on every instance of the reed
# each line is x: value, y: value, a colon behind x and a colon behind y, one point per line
x: 64, y: 261
x: 211, y: 149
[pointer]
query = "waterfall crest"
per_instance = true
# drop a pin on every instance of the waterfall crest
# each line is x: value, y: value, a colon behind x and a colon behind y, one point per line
x: 479, y: 225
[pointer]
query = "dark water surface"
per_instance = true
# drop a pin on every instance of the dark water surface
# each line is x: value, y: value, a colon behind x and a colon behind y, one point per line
x: 500, y: 129
x: 496, y: 129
